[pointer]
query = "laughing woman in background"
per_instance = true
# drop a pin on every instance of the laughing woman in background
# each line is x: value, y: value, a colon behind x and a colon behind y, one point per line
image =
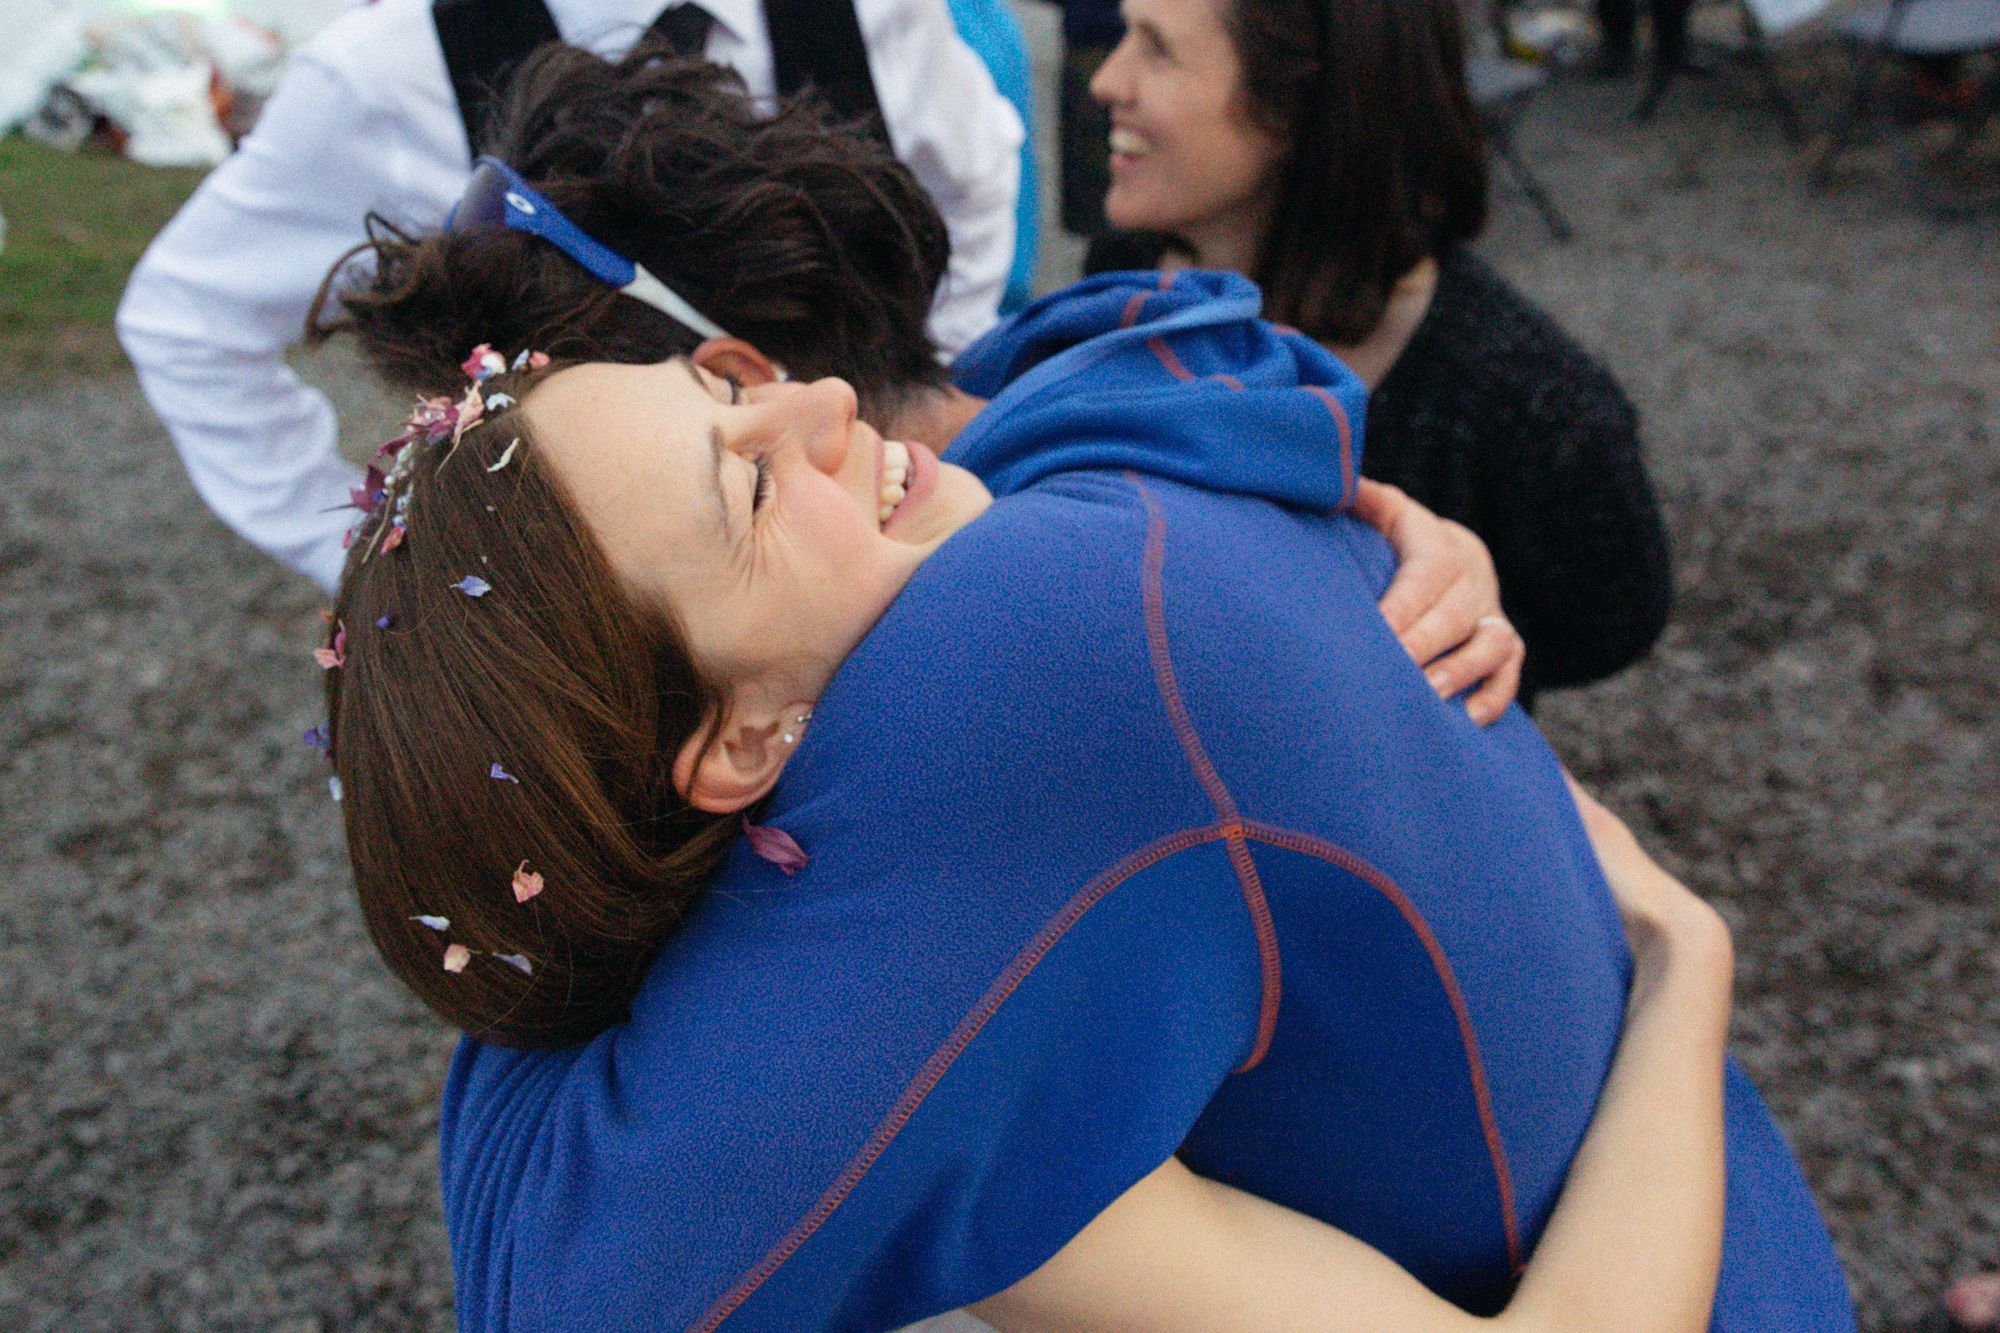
x: 1330, y: 152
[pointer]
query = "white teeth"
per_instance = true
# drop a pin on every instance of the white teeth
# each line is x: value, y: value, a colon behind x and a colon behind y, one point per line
x: 1129, y: 142
x: 895, y: 473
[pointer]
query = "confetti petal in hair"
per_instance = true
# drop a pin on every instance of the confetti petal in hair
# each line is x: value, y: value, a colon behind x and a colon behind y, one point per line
x: 394, y: 538
x: 521, y: 359
x: 778, y: 847
x: 473, y: 586
x: 483, y: 363
x: 333, y: 787
x: 456, y: 956
x: 518, y: 961
x: 506, y: 457
x: 329, y: 658
x: 316, y: 736
x: 499, y: 402
x: 347, y: 539
x: 326, y: 616
x: 537, y: 360
x: 499, y: 774
x: 385, y: 620
x: 433, y: 922
x: 527, y: 883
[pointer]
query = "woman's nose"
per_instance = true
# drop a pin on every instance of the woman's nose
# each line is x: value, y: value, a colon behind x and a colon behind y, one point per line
x: 1107, y: 85
x: 829, y: 407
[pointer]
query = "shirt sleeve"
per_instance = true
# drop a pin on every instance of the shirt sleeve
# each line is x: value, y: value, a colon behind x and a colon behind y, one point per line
x: 951, y: 126
x: 223, y: 291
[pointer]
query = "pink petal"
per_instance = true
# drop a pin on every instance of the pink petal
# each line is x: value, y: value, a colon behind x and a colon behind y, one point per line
x: 778, y: 847
x: 475, y: 362
x: 527, y: 883
x: 536, y: 360
x: 326, y: 657
x: 394, y: 539
x: 456, y: 956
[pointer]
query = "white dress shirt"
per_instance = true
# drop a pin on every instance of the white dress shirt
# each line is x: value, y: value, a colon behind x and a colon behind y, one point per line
x: 365, y: 119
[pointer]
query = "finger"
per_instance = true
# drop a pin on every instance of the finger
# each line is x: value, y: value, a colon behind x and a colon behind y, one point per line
x: 1478, y: 658
x: 1486, y: 669
x: 1496, y: 691
x: 1378, y: 504
x: 1450, y: 620
x: 1421, y: 582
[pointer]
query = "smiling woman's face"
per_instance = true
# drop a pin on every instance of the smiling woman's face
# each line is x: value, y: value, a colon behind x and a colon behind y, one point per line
x: 769, y: 522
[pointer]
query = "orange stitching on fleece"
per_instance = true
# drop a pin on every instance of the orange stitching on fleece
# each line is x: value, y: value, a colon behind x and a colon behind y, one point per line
x: 1346, y: 442
x: 1168, y: 359
x: 942, y: 1059
x: 1211, y: 781
x: 1476, y: 1066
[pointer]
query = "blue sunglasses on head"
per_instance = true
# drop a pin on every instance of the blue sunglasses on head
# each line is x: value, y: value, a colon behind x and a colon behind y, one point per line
x: 496, y: 196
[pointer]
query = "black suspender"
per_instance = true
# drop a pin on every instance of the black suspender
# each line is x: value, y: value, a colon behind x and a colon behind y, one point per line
x: 483, y: 40
x: 818, y: 43
x: 814, y: 43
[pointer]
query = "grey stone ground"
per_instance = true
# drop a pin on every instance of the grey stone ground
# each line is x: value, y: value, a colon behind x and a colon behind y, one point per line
x: 216, y: 1113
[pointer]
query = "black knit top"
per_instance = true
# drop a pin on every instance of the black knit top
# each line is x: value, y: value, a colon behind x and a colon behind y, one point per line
x: 1492, y: 416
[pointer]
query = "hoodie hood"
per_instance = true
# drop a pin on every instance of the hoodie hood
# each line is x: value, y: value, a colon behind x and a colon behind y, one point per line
x: 1171, y: 375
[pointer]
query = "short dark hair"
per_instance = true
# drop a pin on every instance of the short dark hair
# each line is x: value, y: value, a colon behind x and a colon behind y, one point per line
x: 1386, y: 159
x: 801, y: 235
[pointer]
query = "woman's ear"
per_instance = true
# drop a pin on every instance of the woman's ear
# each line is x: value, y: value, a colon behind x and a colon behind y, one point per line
x: 736, y: 765
x: 738, y: 360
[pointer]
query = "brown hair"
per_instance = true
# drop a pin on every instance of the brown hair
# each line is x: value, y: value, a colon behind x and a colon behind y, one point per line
x: 803, y: 236
x: 1386, y: 160
x: 535, y: 723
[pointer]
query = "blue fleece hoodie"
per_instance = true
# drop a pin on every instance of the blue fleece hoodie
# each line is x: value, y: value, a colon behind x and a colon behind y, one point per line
x: 1132, y: 832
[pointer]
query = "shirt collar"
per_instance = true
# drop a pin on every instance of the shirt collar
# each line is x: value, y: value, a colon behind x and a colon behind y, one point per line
x: 602, y: 24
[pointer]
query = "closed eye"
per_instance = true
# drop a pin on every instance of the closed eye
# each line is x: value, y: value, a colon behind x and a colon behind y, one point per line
x: 763, y: 490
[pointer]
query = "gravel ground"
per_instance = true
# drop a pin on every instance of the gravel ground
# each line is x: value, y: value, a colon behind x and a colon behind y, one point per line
x: 218, y: 1113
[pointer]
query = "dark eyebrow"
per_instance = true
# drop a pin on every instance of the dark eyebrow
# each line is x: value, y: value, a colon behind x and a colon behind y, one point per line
x: 715, y: 451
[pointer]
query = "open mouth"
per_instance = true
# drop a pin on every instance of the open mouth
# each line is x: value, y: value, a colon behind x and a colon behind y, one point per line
x: 1129, y: 143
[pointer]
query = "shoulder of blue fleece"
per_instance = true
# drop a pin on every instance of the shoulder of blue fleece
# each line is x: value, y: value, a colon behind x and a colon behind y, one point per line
x: 1167, y: 374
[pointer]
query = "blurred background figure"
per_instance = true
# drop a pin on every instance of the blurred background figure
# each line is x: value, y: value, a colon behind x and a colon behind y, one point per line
x: 380, y: 112
x: 1090, y: 29
x: 990, y: 28
x: 1330, y: 152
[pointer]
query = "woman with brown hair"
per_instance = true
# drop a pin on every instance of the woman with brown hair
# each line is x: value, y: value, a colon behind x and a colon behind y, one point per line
x: 1117, y: 912
x: 1329, y: 151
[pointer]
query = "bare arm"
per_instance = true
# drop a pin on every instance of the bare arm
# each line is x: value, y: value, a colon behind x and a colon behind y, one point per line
x: 1634, y: 1245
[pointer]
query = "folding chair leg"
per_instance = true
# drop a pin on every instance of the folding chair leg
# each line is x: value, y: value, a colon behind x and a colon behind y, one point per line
x: 1552, y: 217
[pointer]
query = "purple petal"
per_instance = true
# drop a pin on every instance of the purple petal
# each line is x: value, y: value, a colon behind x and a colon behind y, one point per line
x: 519, y: 962
x: 433, y: 922
x: 473, y: 586
x: 384, y: 620
x: 778, y: 847
x: 499, y: 774
x: 316, y: 736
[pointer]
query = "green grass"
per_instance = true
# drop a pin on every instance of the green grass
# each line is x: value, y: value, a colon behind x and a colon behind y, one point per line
x: 76, y: 224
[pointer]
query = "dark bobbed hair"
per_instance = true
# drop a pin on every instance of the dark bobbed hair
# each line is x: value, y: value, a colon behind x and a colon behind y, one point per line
x: 801, y: 235
x: 579, y: 693
x: 1385, y: 162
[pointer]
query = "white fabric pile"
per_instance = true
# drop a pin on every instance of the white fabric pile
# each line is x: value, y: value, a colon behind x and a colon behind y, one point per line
x: 179, y: 79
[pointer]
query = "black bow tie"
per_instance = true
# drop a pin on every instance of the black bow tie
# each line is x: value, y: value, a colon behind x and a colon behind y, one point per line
x: 684, y: 28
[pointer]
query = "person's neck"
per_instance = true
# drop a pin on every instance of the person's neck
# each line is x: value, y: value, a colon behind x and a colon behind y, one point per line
x: 1376, y: 354
x: 1228, y: 243
x: 933, y: 417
